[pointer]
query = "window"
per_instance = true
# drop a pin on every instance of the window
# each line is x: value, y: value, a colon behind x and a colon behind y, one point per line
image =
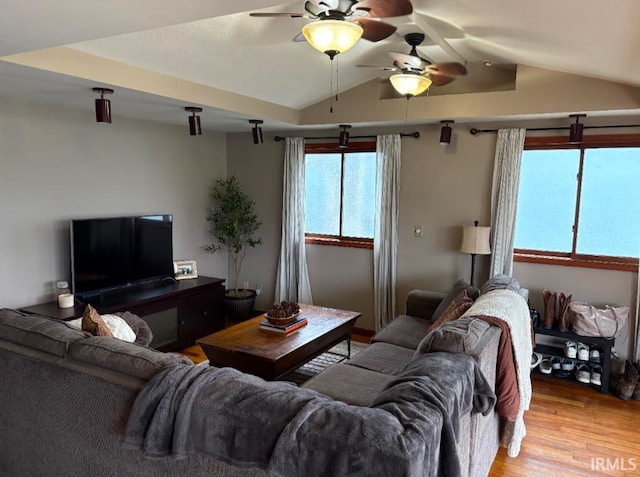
x: 579, y: 205
x: 340, y: 194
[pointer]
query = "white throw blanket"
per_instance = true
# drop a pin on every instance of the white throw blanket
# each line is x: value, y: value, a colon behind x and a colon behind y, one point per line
x: 511, y: 308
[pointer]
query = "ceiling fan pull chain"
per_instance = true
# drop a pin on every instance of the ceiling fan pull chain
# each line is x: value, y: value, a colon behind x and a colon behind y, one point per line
x: 331, y: 92
x: 337, y: 79
x: 406, y: 114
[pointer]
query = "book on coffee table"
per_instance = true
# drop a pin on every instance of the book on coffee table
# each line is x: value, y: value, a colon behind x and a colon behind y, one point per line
x: 293, y: 326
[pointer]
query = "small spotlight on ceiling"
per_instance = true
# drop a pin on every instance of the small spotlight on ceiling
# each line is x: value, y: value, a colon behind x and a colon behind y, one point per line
x: 576, y: 129
x: 103, y: 106
x: 488, y: 63
x: 445, y: 132
x: 343, y: 142
x: 257, y: 131
x: 195, y: 129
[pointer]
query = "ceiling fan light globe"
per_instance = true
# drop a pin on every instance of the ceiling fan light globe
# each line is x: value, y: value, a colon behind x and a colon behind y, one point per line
x: 334, y: 36
x: 408, y: 84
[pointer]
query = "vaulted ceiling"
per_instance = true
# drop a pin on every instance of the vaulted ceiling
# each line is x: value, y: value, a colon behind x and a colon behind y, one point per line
x: 163, y: 55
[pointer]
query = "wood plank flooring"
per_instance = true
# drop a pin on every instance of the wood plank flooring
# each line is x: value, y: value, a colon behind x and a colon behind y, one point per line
x: 572, y: 431
x: 575, y: 431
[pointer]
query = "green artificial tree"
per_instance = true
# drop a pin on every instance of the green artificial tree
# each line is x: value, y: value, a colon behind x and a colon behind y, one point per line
x: 233, y: 223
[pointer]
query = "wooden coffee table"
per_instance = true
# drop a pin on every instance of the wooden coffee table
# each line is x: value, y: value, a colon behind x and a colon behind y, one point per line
x: 270, y: 355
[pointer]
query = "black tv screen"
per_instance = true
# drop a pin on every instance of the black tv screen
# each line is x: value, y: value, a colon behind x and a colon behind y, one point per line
x: 110, y: 253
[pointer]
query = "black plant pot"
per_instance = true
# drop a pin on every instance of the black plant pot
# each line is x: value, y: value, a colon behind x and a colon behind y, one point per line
x: 239, y: 308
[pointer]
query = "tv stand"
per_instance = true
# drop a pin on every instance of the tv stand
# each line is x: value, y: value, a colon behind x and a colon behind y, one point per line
x: 178, y: 313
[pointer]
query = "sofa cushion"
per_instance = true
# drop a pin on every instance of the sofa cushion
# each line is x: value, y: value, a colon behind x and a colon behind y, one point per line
x: 127, y: 358
x: 459, y: 336
x: 457, y: 288
x: 453, y: 311
x: 383, y: 358
x: 38, y: 332
x: 349, y: 384
x: 406, y: 331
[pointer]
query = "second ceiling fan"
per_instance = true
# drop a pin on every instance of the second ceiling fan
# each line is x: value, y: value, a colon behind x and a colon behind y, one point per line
x: 415, y: 73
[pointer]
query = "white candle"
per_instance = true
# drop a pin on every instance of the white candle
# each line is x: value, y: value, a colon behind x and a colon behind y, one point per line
x: 65, y: 300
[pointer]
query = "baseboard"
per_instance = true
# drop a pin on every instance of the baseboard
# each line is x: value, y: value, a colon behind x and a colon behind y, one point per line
x: 363, y: 332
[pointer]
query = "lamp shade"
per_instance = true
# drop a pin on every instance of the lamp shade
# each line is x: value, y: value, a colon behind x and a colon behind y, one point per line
x: 475, y: 240
x: 408, y: 84
x: 332, y: 36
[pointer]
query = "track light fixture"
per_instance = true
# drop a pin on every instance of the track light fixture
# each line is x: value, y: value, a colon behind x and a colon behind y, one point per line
x: 257, y: 131
x: 576, y: 129
x: 195, y: 129
x: 103, y: 106
x: 445, y: 132
x: 343, y: 142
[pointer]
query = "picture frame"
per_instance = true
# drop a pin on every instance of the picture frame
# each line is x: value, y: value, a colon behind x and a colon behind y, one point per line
x: 184, y: 269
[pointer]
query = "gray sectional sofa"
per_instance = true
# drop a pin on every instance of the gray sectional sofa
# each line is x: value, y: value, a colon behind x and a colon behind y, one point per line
x: 403, y: 406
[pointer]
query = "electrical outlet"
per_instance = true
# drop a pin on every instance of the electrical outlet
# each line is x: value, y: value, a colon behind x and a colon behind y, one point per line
x: 417, y: 231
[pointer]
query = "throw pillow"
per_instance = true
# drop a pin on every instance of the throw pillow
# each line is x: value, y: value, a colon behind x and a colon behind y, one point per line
x: 454, y: 310
x: 93, y: 323
x: 500, y: 282
x: 460, y: 285
x: 117, y: 325
x: 459, y: 336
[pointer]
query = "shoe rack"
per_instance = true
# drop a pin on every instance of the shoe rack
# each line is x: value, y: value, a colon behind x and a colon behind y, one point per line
x: 605, y: 345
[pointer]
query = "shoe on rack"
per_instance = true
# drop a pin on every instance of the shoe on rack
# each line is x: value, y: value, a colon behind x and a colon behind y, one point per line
x: 583, y: 373
x: 594, y: 354
x: 570, y: 349
x: 545, y: 366
x: 596, y: 375
x: 583, y: 352
x: 536, y: 358
x: 567, y: 364
x: 555, y: 363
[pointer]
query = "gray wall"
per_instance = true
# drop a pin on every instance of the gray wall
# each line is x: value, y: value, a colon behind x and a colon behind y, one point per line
x: 442, y: 188
x: 57, y: 164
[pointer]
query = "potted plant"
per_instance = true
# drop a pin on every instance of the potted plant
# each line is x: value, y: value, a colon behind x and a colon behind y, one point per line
x: 233, y: 223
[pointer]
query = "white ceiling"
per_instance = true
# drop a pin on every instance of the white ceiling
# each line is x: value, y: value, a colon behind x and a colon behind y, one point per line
x: 218, y: 45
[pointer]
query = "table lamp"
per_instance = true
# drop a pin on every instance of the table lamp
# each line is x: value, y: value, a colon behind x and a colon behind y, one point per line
x: 475, y: 241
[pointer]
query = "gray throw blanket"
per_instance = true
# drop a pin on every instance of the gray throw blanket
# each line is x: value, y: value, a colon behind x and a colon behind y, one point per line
x: 289, y: 431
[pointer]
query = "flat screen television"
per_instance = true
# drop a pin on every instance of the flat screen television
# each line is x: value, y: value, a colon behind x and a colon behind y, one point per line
x: 118, y: 252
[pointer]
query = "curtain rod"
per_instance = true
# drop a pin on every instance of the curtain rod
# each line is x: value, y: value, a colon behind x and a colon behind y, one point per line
x: 475, y: 132
x: 415, y: 134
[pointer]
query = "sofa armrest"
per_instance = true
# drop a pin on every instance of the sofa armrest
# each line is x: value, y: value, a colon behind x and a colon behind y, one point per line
x: 423, y: 303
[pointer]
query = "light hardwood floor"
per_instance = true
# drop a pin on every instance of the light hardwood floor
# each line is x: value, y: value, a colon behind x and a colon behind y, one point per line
x: 572, y: 431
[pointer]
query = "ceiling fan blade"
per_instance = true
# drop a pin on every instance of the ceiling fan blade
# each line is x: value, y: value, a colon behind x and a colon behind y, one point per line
x: 289, y: 15
x: 409, y: 61
x: 316, y: 9
x: 385, y: 68
x: 326, y: 4
x: 375, y: 30
x: 440, y: 80
x: 299, y: 38
x: 385, y: 8
x: 450, y: 69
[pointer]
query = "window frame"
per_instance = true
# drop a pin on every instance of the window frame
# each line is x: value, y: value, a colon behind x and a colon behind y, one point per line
x: 339, y: 240
x: 573, y: 259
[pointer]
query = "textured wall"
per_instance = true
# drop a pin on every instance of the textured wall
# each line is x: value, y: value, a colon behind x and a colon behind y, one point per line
x: 59, y: 164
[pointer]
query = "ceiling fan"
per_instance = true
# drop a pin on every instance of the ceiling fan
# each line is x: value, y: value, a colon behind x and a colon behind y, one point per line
x: 415, y: 73
x: 341, y: 23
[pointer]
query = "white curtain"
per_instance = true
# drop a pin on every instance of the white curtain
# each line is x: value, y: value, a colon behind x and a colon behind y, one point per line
x: 292, y: 279
x: 385, y: 240
x: 504, y: 198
